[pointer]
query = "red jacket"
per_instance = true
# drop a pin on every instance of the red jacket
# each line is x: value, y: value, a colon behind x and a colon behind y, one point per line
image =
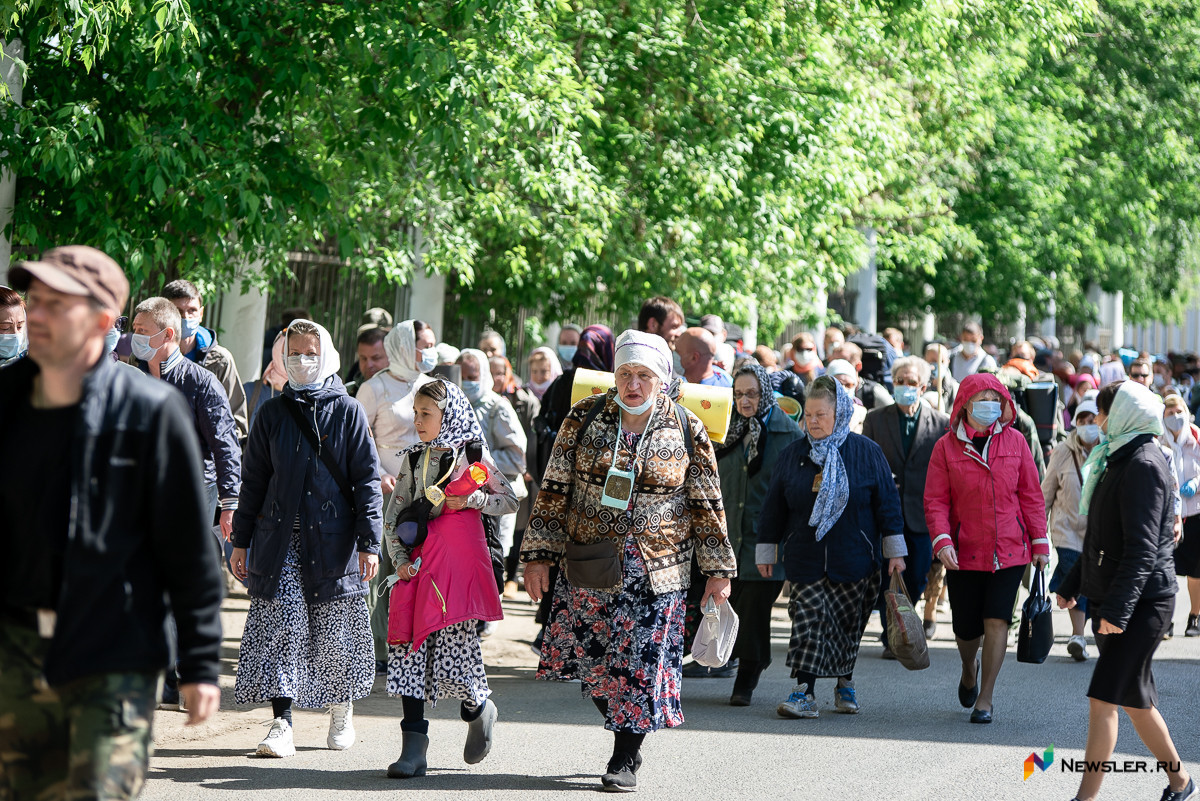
x: 455, y: 582
x: 989, y: 507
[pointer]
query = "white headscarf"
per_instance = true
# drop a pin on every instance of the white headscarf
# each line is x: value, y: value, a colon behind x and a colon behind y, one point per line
x: 648, y: 350
x: 401, y: 346
x: 555, y: 367
x: 328, y: 359
x: 485, y: 371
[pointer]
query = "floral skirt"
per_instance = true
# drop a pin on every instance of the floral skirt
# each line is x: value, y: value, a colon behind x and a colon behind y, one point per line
x: 449, y: 664
x: 315, y: 654
x: 625, y: 647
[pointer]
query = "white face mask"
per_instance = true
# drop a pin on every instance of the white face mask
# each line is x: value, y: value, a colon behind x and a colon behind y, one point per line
x: 1089, y: 433
x: 969, y: 349
x: 303, y: 371
x: 429, y: 360
x: 635, y: 410
x: 804, y: 358
x: 1174, y: 422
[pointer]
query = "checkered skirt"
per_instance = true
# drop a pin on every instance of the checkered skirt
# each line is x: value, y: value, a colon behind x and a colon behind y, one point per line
x: 828, y: 621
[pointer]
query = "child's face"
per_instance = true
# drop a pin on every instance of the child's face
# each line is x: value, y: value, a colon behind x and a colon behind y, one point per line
x: 428, y: 419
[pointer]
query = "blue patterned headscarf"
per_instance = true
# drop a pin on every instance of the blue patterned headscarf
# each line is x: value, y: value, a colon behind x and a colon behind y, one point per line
x: 835, y: 484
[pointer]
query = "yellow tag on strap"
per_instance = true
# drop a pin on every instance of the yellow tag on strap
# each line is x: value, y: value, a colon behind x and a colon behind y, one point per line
x: 434, y: 494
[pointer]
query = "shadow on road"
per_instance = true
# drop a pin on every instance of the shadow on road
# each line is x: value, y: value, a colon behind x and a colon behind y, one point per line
x: 255, y: 777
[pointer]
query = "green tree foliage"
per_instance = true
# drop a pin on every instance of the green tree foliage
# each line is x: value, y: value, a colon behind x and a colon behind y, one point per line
x: 577, y: 154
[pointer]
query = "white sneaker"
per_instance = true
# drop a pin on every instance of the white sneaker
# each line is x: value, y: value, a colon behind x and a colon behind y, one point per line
x: 799, y: 704
x: 341, y: 726
x: 1077, y: 648
x: 279, y: 740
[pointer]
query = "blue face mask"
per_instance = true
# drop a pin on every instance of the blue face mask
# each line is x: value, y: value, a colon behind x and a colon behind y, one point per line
x: 473, y: 390
x: 986, y: 412
x: 428, y: 361
x: 567, y: 353
x: 188, y: 328
x: 111, y: 339
x: 140, y: 345
x: 12, y: 345
x: 905, y: 395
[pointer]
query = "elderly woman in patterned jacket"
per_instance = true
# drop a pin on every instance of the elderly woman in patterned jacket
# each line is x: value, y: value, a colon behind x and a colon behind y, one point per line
x: 631, y: 490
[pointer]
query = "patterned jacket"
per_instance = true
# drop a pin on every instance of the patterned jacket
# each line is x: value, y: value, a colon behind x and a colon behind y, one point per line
x: 676, y: 508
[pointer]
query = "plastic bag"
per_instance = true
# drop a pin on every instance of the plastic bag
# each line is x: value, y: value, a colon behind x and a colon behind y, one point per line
x: 906, y: 631
x: 716, y: 635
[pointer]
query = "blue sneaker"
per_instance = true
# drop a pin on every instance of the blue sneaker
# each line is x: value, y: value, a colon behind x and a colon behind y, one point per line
x: 845, y: 700
x: 799, y: 704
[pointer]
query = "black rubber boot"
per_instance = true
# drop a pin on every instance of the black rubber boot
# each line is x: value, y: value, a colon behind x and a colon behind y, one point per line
x: 412, y: 757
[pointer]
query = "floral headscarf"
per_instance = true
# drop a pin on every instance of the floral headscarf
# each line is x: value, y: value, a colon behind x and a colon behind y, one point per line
x: 754, y: 429
x: 459, y: 424
x: 835, y: 484
x: 596, y: 346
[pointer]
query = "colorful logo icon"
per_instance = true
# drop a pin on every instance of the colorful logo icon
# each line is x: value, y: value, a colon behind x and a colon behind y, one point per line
x: 1041, y: 763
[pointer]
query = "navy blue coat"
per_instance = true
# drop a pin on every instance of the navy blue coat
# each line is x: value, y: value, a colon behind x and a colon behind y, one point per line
x: 283, y: 476
x: 851, y: 550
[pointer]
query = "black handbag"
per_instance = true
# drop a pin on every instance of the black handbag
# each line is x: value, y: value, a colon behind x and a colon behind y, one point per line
x: 1036, y: 635
x: 595, y: 566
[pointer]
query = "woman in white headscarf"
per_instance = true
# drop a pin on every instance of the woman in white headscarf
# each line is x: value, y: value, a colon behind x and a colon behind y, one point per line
x: 543, y: 369
x: 630, y: 493
x: 387, y: 396
x: 309, y: 513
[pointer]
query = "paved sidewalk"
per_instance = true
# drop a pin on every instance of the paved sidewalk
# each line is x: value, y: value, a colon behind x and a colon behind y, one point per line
x: 911, y: 741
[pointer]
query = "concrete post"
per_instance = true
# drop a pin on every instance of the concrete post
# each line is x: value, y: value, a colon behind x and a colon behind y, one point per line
x: 243, y: 325
x: 13, y: 51
x: 866, y: 306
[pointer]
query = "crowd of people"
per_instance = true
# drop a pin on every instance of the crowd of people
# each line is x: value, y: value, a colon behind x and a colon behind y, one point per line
x: 378, y: 511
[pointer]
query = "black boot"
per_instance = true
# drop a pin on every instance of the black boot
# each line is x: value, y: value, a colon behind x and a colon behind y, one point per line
x: 746, y: 682
x: 1193, y: 626
x: 412, y: 756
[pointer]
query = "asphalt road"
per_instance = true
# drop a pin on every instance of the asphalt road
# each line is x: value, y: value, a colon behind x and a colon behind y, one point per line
x: 911, y: 740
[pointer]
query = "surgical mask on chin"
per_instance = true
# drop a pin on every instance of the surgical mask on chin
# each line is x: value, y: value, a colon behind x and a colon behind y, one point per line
x: 1174, y: 422
x: 188, y: 328
x: 540, y: 387
x: 111, y: 339
x: 635, y: 410
x: 567, y: 353
x: 986, y: 412
x: 429, y: 360
x: 12, y: 345
x: 473, y: 390
x: 906, y: 395
x: 303, y: 371
x: 1089, y: 433
x: 969, y: 349
x: 139, y: 344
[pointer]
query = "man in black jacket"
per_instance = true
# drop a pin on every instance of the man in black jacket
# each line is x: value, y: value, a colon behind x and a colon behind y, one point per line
x: 102, y: 496
x: 906, y: 431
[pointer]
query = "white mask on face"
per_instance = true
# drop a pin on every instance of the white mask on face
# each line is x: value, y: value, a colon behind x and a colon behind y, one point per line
x: 805, y: 358
x: 1089, y: 433
x: 635, y: 410
x: 969, y: 349
x: 428, y: 361
x: 1174, y: 422
x: 303, y: 371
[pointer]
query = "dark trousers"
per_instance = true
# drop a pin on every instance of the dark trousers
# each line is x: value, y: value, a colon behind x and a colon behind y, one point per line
x: 753, y: 600
x: 88, y: 739
x: 916, y: 571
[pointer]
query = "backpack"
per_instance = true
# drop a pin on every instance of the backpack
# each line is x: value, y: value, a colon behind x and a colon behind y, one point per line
x: 877, y: 358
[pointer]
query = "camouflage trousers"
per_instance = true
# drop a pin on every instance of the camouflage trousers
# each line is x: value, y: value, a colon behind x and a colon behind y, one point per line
x: 88, y: 739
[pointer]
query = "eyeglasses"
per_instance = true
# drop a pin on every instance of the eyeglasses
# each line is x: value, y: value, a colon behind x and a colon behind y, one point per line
x: 753, y: 396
